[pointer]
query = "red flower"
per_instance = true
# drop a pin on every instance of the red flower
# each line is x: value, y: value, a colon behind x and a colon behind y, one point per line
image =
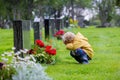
x: 47, y: 49
x: 31, y: 51
x: 39, y: 43
x: 52, y: 52
x: 60, y: 32
x: 55, y: 35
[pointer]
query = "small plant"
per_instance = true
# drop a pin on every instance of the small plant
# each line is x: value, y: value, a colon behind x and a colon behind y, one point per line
x: 29, y: 71
x: 7, y: 57
x: 21, y: 68
x: 73, y: 23
x: 43, y: 53
x: 59, y: 34
x: 6, y: 72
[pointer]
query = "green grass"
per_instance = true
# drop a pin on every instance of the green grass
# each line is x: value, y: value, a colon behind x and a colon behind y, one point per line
x: 6, y: 40
x: 105, y: 64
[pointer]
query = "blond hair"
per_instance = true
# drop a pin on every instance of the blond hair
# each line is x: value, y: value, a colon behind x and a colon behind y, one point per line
x: 68, y: 37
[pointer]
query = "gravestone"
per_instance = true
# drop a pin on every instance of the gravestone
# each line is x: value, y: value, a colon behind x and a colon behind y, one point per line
x: 46, y: 25
x: 36, y: 28
x: 26, y: 34
x: 66, y: 22
x: 62, y: 23
x: 18, y: 37
x: 81, y: 21
x: 21, y: 29
x: 52, y: 26
x: 57, y: 24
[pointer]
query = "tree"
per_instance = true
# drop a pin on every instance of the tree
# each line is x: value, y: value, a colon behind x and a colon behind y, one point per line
x: 78, y: 4
x: 118, y: 3
x: 26, y: 9
x: 17, y: 9
x: 117, y: 16
x: 106, y: 11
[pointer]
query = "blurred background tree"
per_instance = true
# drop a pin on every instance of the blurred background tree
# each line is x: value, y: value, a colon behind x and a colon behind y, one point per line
x: 107, y: 10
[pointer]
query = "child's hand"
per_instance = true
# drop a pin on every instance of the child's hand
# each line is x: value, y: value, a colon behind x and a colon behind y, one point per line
x: 69, y: 46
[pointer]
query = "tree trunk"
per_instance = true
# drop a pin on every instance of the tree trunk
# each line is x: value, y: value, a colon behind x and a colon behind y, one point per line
x: 16, y: 14
x: 105, y: 12
x: 57, y: 24
x: 1, y: 22
x: 72, y: 10
x: 28, y: 10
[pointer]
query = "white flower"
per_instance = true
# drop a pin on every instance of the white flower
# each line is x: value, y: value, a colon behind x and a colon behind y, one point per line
x: 4, y: 59
x: 18, y: 53
x: 9, y: 54
x: 2, y: 54
x: 33, y: 58
x: 26, y: 50
x: 12, y: 52
x: 6, y: 53
x: 22, y: 59
x: 27, y: 58
x: 30, y: 71
x: 21, y: 50
x: 13, y: 48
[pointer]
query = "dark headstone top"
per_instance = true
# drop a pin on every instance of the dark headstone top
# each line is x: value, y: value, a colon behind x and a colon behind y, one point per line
x: 36, y: 28
x: 21, y: 29
x: 18, y: 39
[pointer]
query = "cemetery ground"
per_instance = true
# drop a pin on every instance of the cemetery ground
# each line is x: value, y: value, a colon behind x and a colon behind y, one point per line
x: 105, y: 64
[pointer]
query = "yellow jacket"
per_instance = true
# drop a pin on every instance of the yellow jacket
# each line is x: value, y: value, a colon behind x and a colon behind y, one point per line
x: 80, y: 42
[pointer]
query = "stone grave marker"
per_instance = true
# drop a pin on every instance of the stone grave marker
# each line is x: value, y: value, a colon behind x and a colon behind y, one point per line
x: 52, y: 27
x: 18, y: 37
x: 46, y: 25
x: 26, y: 34
x: 36, y: 27
x: 21, y: 30
x: 81, y: 21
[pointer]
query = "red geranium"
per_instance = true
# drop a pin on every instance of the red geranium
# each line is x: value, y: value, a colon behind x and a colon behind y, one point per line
x: 60, y: 32
x: 39, y: 43
x: 43, y: 53
x: 47, y: 49
x: 31, y: 51
x: 50, y: 51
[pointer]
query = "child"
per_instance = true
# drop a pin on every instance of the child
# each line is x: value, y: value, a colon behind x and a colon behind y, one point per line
x: 79, y: 47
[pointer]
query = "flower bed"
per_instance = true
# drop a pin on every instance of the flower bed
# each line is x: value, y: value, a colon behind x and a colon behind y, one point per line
x: 59, y: 34
x: 43, y: 53
x: 15, y: 67
x: 19, y: 68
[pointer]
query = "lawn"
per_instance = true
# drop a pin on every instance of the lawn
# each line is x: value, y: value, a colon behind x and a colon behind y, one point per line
x: 105, y: 64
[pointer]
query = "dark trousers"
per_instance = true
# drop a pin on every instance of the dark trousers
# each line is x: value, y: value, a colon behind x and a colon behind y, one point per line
x: 80, y: 56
